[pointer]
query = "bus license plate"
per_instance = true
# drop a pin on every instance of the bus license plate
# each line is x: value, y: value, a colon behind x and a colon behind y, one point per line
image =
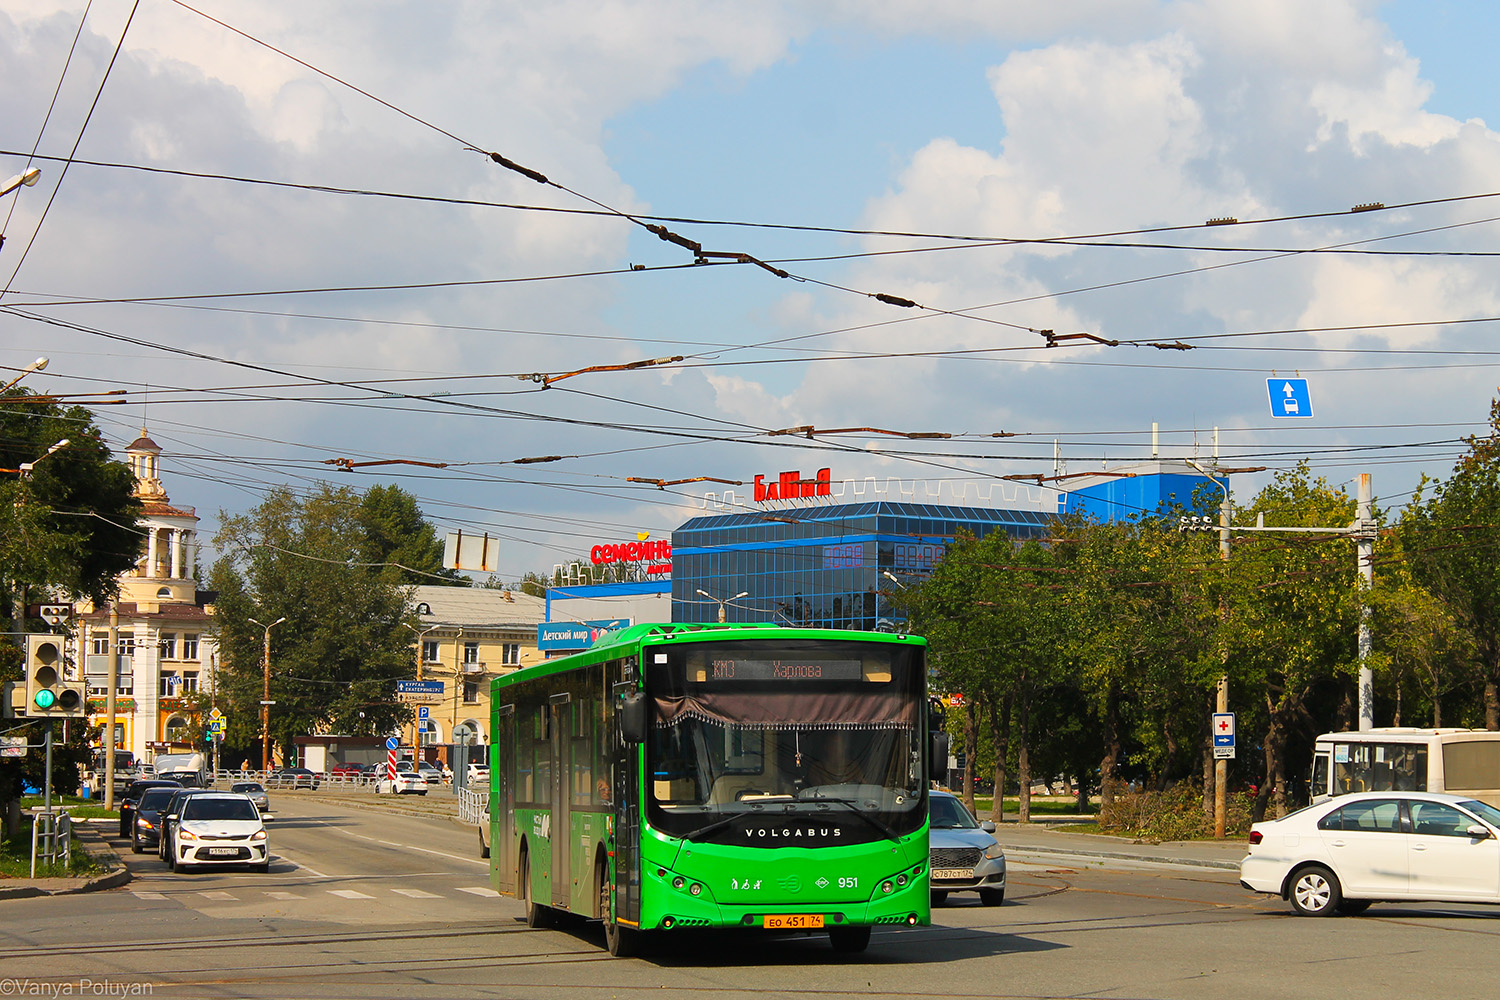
x: 793, y: 921
x: 952, y: 873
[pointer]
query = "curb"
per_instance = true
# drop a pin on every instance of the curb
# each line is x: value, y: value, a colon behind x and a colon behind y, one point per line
x: 1231, y: 866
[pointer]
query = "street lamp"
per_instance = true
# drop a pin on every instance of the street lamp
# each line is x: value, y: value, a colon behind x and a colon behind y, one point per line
x: 1221, y: 694
x: 265, y: 701
x: 724, y: 601
x: 26, y: 467
x: 28, y: 177
x: 35, y: 366
x: 416, y: 741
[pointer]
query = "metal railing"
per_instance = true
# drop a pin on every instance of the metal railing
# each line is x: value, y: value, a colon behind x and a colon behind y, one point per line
x: 474, y: 805
x: 51, y: 840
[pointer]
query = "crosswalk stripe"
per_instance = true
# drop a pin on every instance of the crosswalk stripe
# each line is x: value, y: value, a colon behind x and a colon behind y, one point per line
x: 216, y: 895
x: 349, y: 894
x: 479, y: 890
x: 416, y: 894
x: 149, y: 895
x: 284, y: 895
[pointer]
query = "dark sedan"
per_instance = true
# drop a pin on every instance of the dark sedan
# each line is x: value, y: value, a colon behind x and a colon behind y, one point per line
x: 173, y: 808
x: 133, y: 794
x: 145, y: 828
x: 293, y: 777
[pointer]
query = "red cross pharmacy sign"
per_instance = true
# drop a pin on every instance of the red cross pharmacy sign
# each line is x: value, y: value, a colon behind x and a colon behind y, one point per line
x: 1223, y: 730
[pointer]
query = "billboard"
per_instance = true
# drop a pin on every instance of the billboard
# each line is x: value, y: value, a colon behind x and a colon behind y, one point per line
x: 575, y: 635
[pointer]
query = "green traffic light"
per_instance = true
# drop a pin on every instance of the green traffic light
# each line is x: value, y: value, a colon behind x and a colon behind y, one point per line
x: 45, y: 698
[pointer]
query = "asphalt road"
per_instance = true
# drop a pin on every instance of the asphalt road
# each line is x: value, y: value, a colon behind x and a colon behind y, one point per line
x: 365, y: 904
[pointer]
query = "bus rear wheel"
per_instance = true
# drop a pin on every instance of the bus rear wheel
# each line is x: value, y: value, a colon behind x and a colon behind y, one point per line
x: 849, y: 939
x: 622, y: 942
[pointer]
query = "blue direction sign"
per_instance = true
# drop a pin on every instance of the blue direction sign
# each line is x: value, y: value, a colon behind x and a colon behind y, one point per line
x: 1289, y: 397
x: 419, y: 687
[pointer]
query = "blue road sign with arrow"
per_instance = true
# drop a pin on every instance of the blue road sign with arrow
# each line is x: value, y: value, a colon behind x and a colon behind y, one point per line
x: 1289, y: 397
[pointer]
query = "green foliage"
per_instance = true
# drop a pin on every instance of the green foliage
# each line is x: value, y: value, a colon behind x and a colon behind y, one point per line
x: 1175, y: 814
x: 393, y: 531
x: 70, y: 525
x: 336, y: 659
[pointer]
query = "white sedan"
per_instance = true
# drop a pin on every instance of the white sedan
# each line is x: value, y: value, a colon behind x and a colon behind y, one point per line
x: 219, y: 828
x: 404, y: 783
x: 1343, y: 854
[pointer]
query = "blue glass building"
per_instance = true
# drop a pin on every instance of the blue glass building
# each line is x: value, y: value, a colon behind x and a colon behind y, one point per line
x: 821, y: 566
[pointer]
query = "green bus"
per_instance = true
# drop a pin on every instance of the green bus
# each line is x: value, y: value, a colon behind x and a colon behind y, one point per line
x: 692, y: 776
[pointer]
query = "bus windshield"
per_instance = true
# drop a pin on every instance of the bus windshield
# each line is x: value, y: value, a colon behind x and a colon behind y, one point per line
x: 751, y: 742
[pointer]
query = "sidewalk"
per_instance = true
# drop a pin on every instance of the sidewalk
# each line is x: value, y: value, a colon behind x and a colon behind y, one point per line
x: 91, y: 837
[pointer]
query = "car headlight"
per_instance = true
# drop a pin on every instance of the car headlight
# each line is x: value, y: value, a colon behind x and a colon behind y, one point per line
x: 186, y: 835
x: 258, y: 835
x: 994, y: 852
x: 143, y: 824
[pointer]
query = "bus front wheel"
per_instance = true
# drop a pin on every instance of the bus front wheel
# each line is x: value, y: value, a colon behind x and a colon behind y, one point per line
x: 849, y: 938
x: 622, y: 942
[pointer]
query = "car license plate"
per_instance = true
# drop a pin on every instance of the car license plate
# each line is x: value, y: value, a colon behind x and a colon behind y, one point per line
x: 952, y: 873
x: 223, y: 852
x: 793, y: 921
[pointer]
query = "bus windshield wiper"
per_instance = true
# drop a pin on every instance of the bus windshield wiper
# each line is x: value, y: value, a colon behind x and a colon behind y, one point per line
x: 855, y: 809
x: 720, y: 824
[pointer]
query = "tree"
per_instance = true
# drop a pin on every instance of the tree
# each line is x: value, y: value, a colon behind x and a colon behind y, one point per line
x: 394, y: 532
x: 1291, y: 613
x: 336, y: 659
x: 1452, y: 541
x: 69, y: 526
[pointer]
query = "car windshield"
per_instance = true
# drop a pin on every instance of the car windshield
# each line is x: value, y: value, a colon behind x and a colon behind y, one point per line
x: 1484, y: 811
x: 250, y: 787
x: 949, y: 813
x: 214, y: 808
x: 154, y: 798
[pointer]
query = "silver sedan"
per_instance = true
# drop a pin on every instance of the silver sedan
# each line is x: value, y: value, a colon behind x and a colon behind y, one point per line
x: 965, y: 856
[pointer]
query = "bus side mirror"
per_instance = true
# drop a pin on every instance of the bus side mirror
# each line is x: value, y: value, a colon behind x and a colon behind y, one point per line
x: 633, y: 717
x: 937, y: 763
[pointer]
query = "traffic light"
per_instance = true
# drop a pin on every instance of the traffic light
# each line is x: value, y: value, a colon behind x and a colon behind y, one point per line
x: 48, y: 696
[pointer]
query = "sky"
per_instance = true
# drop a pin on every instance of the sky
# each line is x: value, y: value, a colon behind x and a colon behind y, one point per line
x: 285, y: 233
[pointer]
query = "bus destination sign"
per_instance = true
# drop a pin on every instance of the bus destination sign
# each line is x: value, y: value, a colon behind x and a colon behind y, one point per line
x: 740, y: 669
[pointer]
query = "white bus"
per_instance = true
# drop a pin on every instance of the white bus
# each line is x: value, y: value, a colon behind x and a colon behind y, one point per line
x: 1463, y: 761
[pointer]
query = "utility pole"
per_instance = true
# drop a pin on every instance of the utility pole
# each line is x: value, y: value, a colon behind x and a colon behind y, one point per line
x: 265, y: 700
x: 1221, y: 700
x: 111, y: 680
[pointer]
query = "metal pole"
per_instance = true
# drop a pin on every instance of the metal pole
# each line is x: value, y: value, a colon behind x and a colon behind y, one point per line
x: 111, y: 679
x: 47, y: 781
x: 1365, y: 552
x: 265, y: 708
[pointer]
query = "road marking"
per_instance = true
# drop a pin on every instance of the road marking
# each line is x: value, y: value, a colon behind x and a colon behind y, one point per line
x: 349, y: 894
x: 216, y: 895
x: 479, y: 890
x: 417, y: 894
x: 389, y: 843
x: 284, y: 895
x: 149, y: 895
